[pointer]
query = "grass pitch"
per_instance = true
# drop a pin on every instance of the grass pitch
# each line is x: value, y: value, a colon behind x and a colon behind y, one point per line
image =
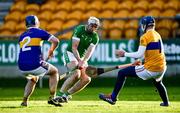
x: 90, y: 107
x: 131, y: 100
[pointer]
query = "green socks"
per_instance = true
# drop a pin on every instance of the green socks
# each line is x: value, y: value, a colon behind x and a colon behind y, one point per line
x: 61, y: 93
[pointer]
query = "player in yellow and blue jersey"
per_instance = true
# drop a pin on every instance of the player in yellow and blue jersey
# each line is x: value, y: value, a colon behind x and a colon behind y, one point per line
x: 154, y: 67
x: 31, y: 62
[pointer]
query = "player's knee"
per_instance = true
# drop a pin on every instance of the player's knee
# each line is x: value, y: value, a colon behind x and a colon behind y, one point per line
x: 34, y: 79
x: 54, y: 70
x: 87, y: 79
x: 75, y: 75
x: 157, y: 82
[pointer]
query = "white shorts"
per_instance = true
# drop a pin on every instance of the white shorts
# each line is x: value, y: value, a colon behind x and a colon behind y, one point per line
x: 145, y: 74
x: 69, y: 56
x: 40, y: 71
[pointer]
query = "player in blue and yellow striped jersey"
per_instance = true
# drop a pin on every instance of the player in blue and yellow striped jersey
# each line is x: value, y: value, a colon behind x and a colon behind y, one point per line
x: 31, y: 61
x: 154, y: 67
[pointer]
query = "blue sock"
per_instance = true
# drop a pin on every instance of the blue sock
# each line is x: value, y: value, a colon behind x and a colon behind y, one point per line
x: 162, y: 91
x: 122, y: 74
x: 119, y: 84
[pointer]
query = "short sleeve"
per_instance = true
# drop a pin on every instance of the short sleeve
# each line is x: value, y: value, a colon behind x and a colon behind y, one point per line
x: 44, y: 35
x: 76, y: 32
x: 96, y: 39
x: 143, y: 41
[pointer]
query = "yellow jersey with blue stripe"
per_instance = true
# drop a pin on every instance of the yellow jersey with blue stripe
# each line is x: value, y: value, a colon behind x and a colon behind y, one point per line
x: 154, y: 54
x: 30, y: 48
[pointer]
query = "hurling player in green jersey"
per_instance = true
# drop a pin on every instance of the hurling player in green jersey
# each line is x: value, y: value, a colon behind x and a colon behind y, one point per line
x: 81, y: 47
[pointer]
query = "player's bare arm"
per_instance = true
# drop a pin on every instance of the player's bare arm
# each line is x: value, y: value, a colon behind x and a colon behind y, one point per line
x: 89, y: 52
x: 87, y: 56
x: 75, y: 47
x: 54, y: 45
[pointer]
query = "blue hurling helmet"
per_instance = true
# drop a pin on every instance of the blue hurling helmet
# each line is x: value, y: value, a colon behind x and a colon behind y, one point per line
x: 31, y: 21
x: 146, y: 22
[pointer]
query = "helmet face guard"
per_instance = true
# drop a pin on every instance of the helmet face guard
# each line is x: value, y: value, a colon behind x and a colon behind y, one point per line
x: 32, y: 21
x: 146, y: 21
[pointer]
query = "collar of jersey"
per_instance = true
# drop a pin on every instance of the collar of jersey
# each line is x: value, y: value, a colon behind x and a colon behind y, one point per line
x: 32, y: 27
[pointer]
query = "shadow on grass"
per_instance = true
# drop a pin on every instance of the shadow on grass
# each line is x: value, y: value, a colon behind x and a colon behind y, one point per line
x: 16, y: 107
x: 12, y: 107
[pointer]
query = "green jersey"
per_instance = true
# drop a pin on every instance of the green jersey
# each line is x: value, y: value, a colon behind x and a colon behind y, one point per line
x: 86, y: 38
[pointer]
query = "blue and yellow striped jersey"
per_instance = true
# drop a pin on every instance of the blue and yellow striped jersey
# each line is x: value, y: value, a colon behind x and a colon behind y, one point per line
x: 30, y: 48
x: 154, y: 54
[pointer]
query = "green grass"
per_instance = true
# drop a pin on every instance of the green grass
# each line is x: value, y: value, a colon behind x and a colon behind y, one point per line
x: 137, y: 96
x: 90, y: 107
x: 131, y: 100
